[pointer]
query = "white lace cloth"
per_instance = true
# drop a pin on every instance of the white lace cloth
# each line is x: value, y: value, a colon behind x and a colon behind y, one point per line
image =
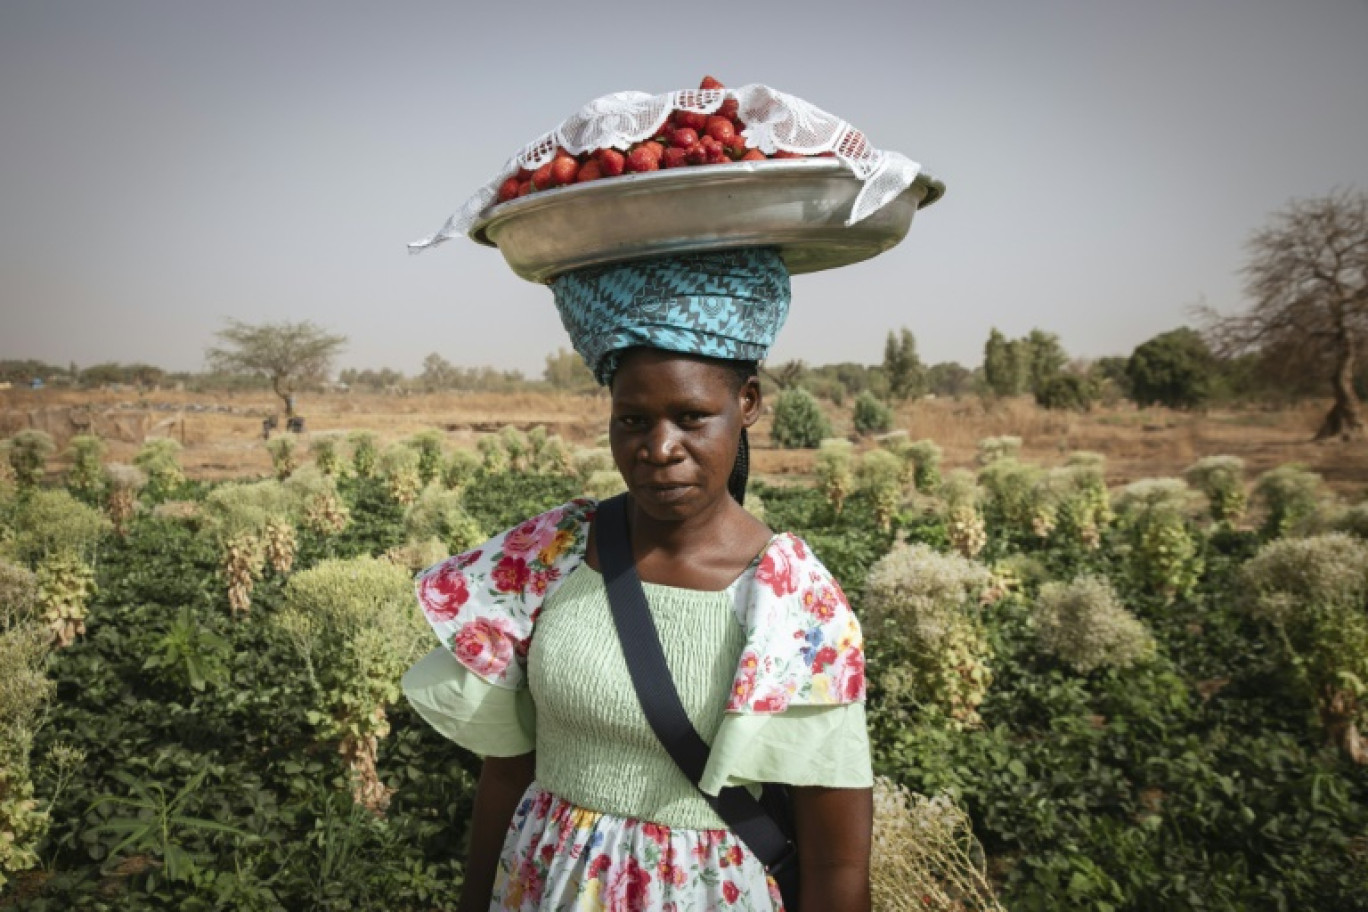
x: 774, y: 121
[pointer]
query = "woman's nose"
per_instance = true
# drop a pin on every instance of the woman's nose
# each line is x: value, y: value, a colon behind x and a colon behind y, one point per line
x: 661, y: 443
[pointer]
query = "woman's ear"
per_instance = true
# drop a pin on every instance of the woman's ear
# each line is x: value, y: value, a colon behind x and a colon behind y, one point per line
x: 752, y: 402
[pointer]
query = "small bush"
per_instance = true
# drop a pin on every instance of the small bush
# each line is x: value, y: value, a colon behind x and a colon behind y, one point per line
x: 398, y: 466
x: 86, y: 476
x: 428, y: 444
x: 284, y: 460
x: 991, y: 449
x: 365, y: 449
x: 1289, y: 495
x: 439, y: 514
x: 880, y: 476
x: 1221, y: 480
x: 925, y: 606
x: 323, y: 447
x: 159, y: 457
x: 1066, y: 392
x: 871, y: 415
x: 798, y: 421
x: 835, y: 477
x: 460, y: 469
x: 28, y: 453
x: 1084, y: 624
x: 1314, y: 592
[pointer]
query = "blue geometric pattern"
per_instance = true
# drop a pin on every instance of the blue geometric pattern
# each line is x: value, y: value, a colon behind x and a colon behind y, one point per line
x: 726, y: 304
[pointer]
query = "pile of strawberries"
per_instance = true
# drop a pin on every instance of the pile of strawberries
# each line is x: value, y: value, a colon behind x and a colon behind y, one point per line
x: 686, y: 138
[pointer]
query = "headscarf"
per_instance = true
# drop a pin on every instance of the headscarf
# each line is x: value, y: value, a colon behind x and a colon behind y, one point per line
x: 725, y: 304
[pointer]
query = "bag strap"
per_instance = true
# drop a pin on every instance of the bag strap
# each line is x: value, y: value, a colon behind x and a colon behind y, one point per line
x: 655, y: 688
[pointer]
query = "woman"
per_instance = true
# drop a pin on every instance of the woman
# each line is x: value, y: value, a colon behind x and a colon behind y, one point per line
x: 578, y: 805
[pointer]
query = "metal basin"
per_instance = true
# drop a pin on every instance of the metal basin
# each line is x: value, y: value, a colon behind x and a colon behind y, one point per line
x: 798, y: 205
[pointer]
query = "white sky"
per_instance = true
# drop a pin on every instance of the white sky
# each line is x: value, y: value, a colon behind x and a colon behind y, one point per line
x: 164, y: 165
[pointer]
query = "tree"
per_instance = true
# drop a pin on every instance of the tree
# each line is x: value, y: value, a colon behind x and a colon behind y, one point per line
x: 1003, y: 371
x: 1174, y: 369
x: 566, y: 370
x: 1307, y: 277
x: 287, y: 354
x: 438, y: 373
x: 949, y: 378
x: 798, y: 420
x: 1044, y: 358
x: 903, y: 367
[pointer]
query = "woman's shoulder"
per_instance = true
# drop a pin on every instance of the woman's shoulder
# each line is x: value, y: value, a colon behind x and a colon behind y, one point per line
x: 803, y: 642
x: 483, y: 603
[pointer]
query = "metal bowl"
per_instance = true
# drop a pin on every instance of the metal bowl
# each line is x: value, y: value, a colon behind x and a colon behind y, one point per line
x: 798, y: 205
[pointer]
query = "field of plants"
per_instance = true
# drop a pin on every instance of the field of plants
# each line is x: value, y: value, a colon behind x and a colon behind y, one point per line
x: 1142, y: 697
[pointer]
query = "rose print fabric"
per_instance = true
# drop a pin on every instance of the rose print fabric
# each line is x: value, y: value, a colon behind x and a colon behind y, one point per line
x: 804, y: 646
x: 560, y: 856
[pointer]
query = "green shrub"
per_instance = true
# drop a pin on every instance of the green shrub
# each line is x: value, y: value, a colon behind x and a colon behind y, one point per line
x: 493, y: 456
x: 879, y: 475
x: 1084, y: 623
x: 1066, y: 392
x: 991, y: 449
x: 1221, y: 480
x: 516, y: 447
x: 924, y: 607
x: 365, y: 448
x: 1314, y: 593
x: 798, y: 421
x: 122, y: 482
x: 355, y: 629
x: 460, y: 469
x: 85, y: 479
x: 871, y: 415
x: 586, y: 463
x: 50, y: 522
x: 284, y: 460
x: 1163, y: 555
x: 159, y: 458
x: 325, y: 455
x: 1175, y: 369
x: 960, y: 496
x: 28, y: 452
x: 835, y: 477
x: 439, y: 514
x: 926, y: 461
x: 1289, y: 495
x: 429, y: 444
x: 398, y: 466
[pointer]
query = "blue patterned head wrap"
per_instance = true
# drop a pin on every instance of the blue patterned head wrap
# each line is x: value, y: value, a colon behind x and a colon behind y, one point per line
x: 721, y: 304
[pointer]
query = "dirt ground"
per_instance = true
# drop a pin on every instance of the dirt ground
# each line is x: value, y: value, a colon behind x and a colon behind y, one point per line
x: 222, y: 433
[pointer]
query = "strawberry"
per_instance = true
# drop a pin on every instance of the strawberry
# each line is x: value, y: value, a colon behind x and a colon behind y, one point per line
x: 715, y: 151
x: 611, y: 162
x: 563, y: 171
x: 710, y: 83
x: 654, y: 149
x: 696, y: 154
x: 508, y: 190
x: 588, y: 171
x: 692, y: 119
x: 642, y: 159
x: 736, y: 145
x: 728, y: 109
x: 720, y: 129
x: 524, y: 174
x: 675, y: 157
x: 684, y: 137
x: 524, y: 188
x: 783, y: 153
x: 753, y: 155
x: 541, y: 178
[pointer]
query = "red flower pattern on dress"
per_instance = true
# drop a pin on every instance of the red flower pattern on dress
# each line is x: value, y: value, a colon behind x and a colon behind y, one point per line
x: 510, y: 574
x: 822, y: 602
x: 731, y: 892
x: 444, y: 591
x: 778, y: 568
x: 824, y: 657
x: 628, y: 888
x: 484, y: 646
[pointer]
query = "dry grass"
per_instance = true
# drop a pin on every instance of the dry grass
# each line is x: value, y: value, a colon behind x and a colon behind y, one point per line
x: 222, y: 432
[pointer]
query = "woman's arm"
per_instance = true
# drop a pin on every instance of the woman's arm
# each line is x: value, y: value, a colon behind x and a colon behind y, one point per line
x: 834, y: 829
x: 502, y: 783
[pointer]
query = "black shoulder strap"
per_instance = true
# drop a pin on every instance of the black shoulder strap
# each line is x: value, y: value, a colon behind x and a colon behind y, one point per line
x: 655, y: 687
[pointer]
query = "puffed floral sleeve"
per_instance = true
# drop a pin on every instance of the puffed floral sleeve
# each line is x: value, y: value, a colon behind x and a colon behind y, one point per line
x: 796, y: 710
x: 483, y: 606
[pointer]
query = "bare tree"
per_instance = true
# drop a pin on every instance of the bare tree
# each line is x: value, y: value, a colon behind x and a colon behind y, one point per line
x: 1307, y: 276
x: 287, y: 354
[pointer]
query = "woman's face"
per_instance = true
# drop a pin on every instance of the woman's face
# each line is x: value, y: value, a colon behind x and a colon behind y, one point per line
x: 675, y: 427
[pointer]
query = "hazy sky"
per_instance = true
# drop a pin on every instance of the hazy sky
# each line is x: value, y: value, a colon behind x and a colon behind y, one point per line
x: 164, y: 165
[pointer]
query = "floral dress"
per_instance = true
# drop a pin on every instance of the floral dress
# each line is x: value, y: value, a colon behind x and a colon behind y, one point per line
x: 766, y: 669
